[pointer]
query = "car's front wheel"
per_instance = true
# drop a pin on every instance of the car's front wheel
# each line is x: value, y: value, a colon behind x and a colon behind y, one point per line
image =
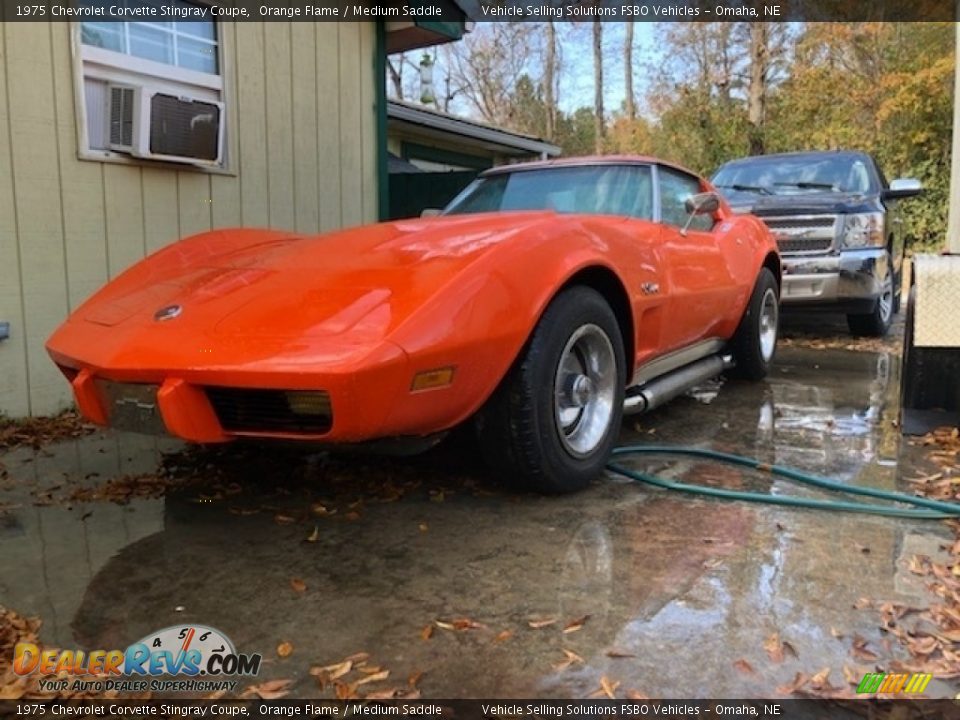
x: 877, y: 322
x: 551, y: 424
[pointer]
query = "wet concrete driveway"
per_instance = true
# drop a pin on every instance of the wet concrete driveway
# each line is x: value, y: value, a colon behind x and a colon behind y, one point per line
x: 679, y: 594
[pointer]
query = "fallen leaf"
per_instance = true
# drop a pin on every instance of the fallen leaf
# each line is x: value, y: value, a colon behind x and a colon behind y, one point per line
x: 744, y: 667
x: 852, y: 676
x: 860, y: 651
x: 575, y: 625
x: 570, y: 659
x: 799, y: 680
x: 636, y: 695
x: 369, y: 669
x: 281, y: 519
x: 285, y: 649
x: 427, y: 632
x: 332, y: 672
x: 609, y: 687
x: 298, y: 585
x: 375, y: 677
x: 414, y: 678
x: 863, y: 602
x: 618, y: 653
x: 358, y: 657
x: 836, y: 633
x: 537, y: 624
x: 423, y: 527
x: 820, y: 679
x: 269, y: 690
x: 773, y: 647
x: 460, y: 624
x: 315, y: 535
x: 320, y: 509
x: 503, y: 636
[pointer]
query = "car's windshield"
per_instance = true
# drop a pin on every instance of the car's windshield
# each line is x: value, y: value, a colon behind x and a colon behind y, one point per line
x: 793, y: 176
x: 604, y: 189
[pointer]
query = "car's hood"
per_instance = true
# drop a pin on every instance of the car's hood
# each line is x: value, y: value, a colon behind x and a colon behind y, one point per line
x: 804, y: 204
x: 256, y: 284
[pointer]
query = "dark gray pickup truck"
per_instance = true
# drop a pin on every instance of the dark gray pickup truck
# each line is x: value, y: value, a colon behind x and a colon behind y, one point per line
x: 839, y: 227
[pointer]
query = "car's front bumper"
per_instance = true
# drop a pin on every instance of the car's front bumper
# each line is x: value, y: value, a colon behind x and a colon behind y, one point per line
x: 850, y: 281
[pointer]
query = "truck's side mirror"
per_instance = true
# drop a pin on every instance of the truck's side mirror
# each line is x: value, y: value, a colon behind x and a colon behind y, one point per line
x: 902, y: 188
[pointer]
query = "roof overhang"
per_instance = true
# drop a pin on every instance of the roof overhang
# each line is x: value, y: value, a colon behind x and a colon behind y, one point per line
x: 428, y: 123
x: 410, y: 35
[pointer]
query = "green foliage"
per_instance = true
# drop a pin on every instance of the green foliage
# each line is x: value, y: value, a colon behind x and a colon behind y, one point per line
x: 885, y: 88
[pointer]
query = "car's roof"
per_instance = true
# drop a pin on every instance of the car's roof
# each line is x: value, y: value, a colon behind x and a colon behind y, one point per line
x: 801, y: 155
x: 589, y: 160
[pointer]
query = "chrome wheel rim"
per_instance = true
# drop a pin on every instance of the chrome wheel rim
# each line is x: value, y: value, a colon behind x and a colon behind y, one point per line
x: 886, y: 299
x: 769, y: 317
x: 584, y: 390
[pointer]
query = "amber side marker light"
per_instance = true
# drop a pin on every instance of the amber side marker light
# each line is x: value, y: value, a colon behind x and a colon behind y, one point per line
x: 432, y: 379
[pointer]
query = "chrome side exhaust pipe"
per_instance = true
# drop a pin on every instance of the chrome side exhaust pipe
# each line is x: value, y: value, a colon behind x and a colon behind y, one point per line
x: 665, y: 388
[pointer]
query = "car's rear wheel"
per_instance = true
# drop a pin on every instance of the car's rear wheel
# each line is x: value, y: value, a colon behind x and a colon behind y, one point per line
x: 551, y: 424
x: 877, y: 322
x: 755, y: 342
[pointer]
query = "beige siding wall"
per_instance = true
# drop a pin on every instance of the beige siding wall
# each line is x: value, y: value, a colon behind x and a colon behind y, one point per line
x: 301, y: 144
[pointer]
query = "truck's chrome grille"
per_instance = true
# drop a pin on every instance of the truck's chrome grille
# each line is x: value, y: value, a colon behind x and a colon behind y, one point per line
x: 803, y: 234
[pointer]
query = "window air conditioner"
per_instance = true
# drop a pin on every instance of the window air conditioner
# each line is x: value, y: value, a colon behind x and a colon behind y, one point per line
x: 160, y: 125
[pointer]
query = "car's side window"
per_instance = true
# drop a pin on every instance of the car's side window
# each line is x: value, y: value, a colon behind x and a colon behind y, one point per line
x: 675, y: 188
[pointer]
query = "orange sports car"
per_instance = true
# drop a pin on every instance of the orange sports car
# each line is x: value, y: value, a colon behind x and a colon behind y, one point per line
x: 546, y: 300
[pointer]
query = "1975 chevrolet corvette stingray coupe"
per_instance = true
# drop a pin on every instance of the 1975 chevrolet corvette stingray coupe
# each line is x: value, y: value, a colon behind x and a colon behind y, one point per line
x: 545, y: 301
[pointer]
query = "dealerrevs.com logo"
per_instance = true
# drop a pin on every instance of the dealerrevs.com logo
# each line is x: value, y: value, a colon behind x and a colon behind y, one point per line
x: 202, y: 655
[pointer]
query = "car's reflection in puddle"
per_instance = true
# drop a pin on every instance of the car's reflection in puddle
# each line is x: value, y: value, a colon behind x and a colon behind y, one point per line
x: 669, y: 585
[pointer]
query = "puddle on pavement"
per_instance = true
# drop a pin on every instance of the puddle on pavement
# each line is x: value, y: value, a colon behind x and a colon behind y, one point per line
x: 676, y: 585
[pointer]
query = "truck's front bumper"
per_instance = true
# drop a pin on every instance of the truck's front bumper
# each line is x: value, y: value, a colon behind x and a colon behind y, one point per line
x: 848, y: 282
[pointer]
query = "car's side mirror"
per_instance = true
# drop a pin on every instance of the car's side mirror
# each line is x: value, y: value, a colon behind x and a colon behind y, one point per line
x: 902, y: 188
x: 430, y: 212
x: 706, y: 203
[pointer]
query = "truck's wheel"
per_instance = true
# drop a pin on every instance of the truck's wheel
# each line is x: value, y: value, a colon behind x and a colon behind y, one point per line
x: 755, y: 342
x: 876, y: 323
x: 551, y: 424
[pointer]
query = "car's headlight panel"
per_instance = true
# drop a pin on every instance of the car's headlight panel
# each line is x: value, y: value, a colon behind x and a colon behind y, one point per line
x: 862, y: 230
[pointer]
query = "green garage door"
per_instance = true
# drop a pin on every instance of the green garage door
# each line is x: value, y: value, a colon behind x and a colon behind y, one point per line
x: 412, y: 193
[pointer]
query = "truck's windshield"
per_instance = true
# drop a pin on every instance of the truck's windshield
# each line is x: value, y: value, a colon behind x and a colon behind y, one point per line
x: 779, y: 175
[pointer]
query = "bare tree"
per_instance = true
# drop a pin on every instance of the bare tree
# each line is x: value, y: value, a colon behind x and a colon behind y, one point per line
x: 485, y: 66
x: 395, y: 72
x: 628, y: 71
x: 550, y: 73
x: 758, y: 86
x: 598, y: 84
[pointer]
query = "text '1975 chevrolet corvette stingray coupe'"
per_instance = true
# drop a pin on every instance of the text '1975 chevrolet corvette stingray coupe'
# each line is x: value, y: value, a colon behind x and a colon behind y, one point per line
x: 544, y: 302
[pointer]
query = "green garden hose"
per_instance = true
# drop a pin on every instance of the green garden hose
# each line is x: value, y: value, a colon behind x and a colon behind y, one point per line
x: 935, y: 509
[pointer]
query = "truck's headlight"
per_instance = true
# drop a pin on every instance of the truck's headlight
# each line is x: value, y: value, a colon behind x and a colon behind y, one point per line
x: 862, y: 230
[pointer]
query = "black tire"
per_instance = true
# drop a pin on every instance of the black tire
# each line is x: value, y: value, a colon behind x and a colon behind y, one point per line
x: 750, y: 346
x: 519, y: 429
x: 876, y: 323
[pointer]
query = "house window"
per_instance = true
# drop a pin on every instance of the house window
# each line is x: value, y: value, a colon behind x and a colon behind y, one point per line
x: 152, y: 91
x: 191, y: 45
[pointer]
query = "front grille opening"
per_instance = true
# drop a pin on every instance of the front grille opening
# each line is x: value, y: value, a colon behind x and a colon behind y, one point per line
x: 287, y: 411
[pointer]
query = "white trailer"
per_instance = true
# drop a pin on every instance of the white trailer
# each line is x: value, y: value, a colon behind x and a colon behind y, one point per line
x: 931, y: 359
